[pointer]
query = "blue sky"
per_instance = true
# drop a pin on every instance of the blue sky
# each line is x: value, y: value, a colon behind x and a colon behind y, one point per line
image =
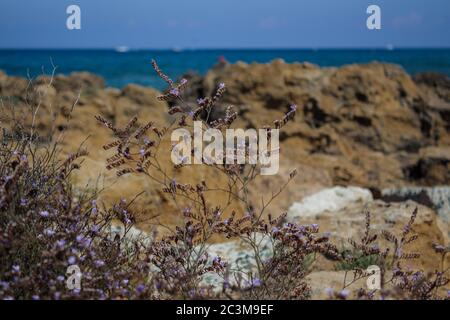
x: 223, y: 24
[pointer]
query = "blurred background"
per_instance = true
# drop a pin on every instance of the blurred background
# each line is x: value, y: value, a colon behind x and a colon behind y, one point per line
x: 117, y: 38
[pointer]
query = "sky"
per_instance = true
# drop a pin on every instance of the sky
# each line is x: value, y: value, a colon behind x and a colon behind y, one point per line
x: 190, y: 24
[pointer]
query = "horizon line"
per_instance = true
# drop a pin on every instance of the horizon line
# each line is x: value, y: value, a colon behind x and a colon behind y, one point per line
x: 180, y: 49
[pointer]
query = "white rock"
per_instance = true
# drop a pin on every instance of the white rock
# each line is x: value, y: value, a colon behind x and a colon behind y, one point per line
x: 331, y: 199
x: 439, y: 196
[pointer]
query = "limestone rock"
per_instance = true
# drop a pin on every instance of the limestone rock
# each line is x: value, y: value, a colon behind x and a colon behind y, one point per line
x: 348, y: 222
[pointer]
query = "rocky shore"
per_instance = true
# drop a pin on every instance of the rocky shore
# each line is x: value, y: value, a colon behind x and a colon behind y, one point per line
x: 366, y: 137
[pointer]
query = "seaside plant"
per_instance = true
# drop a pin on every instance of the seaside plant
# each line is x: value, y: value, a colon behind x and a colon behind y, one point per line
x: 181, y: 259
x: 48, y: 226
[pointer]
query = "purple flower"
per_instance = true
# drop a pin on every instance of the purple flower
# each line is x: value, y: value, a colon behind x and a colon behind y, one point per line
x: 57, y: 295
x: 16, y: 268
x: 191, y: 113
x: 140, y: 288
x: 99, y: 263
x: 293, y: 107
x: 142, y: 152
x: 275, y: 230
x: 256, y: 282
x: 44, y: 213
x: 329, y: 291
x: 200, y: 101
x: 175, y: 92
x: 49, y: 232
x: 35, y: 297
x: 60, y: 278
x: 71, y: 260
x: 221, y: 85
x: 61, y: 243
x: 344, y: 293
x: 186, y: 211
x: 183, y: 81
x: 4, y: 284
x: 80, y: 238
x: 23, y: 202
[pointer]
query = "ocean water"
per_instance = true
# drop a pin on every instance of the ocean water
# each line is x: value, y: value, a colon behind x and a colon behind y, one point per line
x: 121, y: 68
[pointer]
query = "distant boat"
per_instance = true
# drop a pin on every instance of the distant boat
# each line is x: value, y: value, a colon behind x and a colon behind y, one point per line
x: 122, y: 49
x: 389, y: 47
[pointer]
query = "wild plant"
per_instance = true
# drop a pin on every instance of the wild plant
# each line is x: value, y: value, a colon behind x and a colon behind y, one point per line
x: 182, y: 257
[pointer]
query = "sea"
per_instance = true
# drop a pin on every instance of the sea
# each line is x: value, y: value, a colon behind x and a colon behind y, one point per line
x: 122, y: 66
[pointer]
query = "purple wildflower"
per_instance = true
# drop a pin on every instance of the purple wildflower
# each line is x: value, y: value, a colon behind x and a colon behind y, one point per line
x: 256, y: 282
x: 175, y: 92
x: 140, y: 288
x: 71, y: 260
x: 49, y: 232
x: 344, y: 293
x: 99, y: 263
x: 44, y: 213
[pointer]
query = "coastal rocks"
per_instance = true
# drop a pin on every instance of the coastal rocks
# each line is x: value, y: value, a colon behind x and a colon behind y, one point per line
x: 369, y: 125
x: 70, y: 110
x: 348, y: 222
x: 437, y: 198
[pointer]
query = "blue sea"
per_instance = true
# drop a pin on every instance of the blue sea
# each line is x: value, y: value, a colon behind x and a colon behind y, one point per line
x: 121, y: 68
